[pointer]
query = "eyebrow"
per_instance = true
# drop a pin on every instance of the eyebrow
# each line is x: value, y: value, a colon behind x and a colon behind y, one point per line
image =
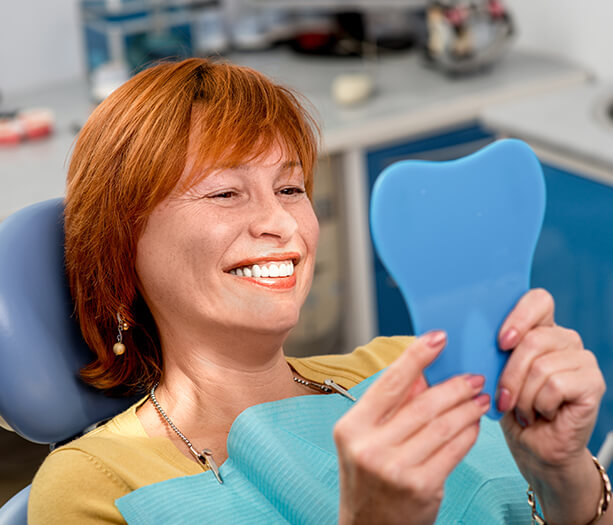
x: 290, y: 164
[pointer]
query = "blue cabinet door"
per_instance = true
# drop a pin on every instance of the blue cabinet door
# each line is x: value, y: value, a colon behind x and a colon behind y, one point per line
x: 574, y: 261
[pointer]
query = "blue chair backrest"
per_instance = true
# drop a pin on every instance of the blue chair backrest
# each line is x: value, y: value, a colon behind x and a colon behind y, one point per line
x: 42, y: 397
x: 15, y: 511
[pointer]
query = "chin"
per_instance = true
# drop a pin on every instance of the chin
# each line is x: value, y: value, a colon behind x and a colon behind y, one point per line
x: 280, y: 326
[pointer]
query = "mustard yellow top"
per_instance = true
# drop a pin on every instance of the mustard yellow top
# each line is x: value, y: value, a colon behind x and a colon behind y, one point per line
x: 78, y: 483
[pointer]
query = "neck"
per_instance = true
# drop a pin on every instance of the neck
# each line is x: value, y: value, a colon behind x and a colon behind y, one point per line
x: 222, y: 387
x: 203, y: 390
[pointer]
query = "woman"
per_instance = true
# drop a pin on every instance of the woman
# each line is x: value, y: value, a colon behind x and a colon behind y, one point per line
x: 190, y: 246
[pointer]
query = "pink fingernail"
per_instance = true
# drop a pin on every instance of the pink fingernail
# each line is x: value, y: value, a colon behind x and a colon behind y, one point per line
x: 503, y: 399
x: 509, y: 338
x: 482, y: 400
x: 475, y: 381
x: 523, y: 422
x: 435, y: 339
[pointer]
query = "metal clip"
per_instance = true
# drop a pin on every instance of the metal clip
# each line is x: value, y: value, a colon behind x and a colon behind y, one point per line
x: 206, y: 458
x: 339, y: 389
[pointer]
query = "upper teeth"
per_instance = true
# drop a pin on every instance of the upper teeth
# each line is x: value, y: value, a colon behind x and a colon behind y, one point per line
x: 283, y: 269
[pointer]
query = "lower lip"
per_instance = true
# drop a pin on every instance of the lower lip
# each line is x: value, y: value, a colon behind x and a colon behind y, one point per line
x: 276, y: 283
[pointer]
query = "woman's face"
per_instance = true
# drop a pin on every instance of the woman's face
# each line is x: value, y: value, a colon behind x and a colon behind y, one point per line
x: 234, y: 252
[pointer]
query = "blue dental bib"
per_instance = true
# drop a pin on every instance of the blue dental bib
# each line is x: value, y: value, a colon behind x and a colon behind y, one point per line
x: 282, y: 469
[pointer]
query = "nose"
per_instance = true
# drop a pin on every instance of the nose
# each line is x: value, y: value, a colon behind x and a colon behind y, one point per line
x: 271, y: 219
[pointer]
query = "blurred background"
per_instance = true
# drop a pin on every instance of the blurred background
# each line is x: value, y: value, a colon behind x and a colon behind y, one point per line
x: 390, y: 80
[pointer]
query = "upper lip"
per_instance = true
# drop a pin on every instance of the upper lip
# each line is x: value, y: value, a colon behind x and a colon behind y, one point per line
x: 273, y: 257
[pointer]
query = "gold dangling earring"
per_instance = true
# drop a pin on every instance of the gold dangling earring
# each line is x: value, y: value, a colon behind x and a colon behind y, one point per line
x: 119, y: 348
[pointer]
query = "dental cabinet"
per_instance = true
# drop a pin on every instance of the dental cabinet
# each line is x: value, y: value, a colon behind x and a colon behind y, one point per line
x: 572, y: 133
x: 574, y: 261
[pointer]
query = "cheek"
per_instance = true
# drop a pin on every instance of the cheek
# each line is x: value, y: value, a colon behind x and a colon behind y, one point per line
x: 310, y: 228
x: 310, y: 237
x: 155, y: 259
x: 163, y: 253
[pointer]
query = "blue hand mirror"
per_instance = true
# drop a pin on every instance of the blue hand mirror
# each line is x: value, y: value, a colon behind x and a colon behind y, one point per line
x: 458, y: 237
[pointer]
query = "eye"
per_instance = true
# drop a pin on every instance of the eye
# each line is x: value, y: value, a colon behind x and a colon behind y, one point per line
x: 292, y: 190
x: 223, y: 195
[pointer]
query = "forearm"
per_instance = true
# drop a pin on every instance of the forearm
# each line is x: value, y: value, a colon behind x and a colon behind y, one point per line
x: 570, y: 495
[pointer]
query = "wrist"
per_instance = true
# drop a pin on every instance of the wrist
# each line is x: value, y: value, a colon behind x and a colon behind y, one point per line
x: 571, y: 503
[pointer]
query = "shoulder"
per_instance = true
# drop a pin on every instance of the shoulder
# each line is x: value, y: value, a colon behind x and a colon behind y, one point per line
x: 80, y: 481
x: 350, y: 369
x: 73, y: 486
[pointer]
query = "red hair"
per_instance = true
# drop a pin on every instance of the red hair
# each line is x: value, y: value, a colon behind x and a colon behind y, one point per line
x: 129, y: 156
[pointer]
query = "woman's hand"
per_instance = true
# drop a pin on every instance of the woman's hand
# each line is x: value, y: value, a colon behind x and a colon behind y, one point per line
x: 550, y: 390
x: 402, y: 439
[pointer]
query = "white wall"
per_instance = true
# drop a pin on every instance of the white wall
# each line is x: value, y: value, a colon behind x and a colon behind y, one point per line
x: 40, y: 43
x: 579, y: 30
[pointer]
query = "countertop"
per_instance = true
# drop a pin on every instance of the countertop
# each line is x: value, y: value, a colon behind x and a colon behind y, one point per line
x: 410, y: 99
x: 570, y: 123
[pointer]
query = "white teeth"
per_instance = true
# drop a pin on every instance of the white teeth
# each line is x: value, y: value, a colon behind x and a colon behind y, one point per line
x: 285, y: 269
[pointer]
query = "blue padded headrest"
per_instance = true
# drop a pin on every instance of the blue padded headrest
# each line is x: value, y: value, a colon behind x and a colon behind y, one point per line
x: 41, y: 349
x: 458, y: 237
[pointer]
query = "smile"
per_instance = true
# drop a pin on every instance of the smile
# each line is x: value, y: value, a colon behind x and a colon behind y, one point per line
x: 273, y: 272
x: 266, y: 270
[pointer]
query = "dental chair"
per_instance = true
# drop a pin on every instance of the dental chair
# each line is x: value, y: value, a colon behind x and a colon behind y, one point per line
x: 42, y: 397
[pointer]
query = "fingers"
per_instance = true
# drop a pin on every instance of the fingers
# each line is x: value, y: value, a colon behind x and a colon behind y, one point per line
x: 427, y: 475
x: 426, y: 408
x: 448, y: 458
x: 548, y: 368
x: 399, y: 442
x: 422, y: 442
x: 442, y: 430
x: 535, y: 308
x: 391, y: 389
x: 536, y: 343
x: 582, y: 386
x: 551, y: 368
x: 576, y: 392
